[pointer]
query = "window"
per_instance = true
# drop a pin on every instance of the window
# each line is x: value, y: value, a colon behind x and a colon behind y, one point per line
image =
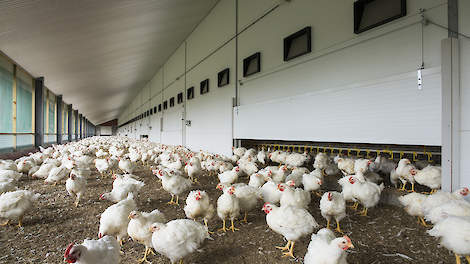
x: 172, y: 101
x: 159, y: 107
x: 165, y: 105
x: 369, y: 14
x: 223, y: 78
x: 155, y: 109
x: 251, y: 65
x: 148, y: 112
x: 190, y: 93
x: 180, y: 98
x: 298, y: 44
x: 205, y: 86
x: 151, y: 111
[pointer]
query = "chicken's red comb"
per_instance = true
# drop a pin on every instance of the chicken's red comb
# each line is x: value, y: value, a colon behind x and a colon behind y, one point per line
x: 67, y: 251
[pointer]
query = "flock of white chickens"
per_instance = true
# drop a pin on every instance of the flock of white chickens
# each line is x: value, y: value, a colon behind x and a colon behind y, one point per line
x: 286, y: 190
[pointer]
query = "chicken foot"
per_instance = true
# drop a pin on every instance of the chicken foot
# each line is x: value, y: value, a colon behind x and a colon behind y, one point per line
x: 20, y: 222
x: 223, y: 227
x: 171, y: 201
x: 363, y: 212
x: 6, y: 223
x: 144, y: 259
x: 286, y: 247
x: 338, y: 229
x: 290, y: 253
x: 245, y: 218
x: 422, y: 222
x: 233, y: 227
x: 205, y: 223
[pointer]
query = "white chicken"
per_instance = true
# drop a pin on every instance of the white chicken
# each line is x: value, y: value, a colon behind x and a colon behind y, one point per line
x: 139, y: 228
x: 229, y: 177
x: 256, y: 180
x: 115, y: 219
x: 248, y: 197
x: 193, y: 169
x: 290, y: 222
x: 454, y: 232
x: 296, y: 175
x: 228, y: 206
x: 102, y: 166
x: 56, y: 174
x: 7, y: 185
x: 261, y: 156
x: 414, y: 205
x: 345, y: 165
x: 325, y: 248
x: 453, y: 207
x: 198, y: 206
x: 126, y: 165
x: 15, y: 204
x: 175, y: 185
x: 178, y: 238
x: 332, y: 205
x: 366, y: 193
x: 406, y: 172
x: 441, y: 197
x: 280, y: 174
x: 76, y: 186
x: 430, y: 177
x: 270, y: 193
x: 292, y: 196
x: 103, y: 250
x: 312, y: 181
x: 239, y: 151
x: 122, y: 188
x: 43, y: 171
x: 6, y: 175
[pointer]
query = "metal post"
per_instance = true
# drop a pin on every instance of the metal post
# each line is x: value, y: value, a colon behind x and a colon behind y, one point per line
x: 59, y: 104
x: 450, y: 114
x: 75, y: 137
x: 80, y: 134
x: 69, y: 117
x: 39, y: 112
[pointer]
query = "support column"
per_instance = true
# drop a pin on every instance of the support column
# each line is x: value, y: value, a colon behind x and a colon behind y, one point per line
x: 69, y: 120
x: 75, y: 136
x: 80, y: 134
x: 450, y: 114
x: 38, y: 112
x: 59, y: 118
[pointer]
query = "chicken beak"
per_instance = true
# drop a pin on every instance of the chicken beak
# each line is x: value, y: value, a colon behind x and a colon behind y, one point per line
x: 351, y: 245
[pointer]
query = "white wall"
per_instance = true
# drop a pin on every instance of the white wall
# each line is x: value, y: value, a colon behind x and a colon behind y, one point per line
x: 350, y: 88
x: 464, y: 27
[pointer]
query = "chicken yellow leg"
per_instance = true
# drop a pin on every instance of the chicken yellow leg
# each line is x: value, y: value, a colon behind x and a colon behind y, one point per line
x: 177, y: 200
x: 412, y: 187
x: 423, y: 223
x: 233, y: 227
x: 245, y: 218
x: 6, y: 223
x: 290, y: 253
x: 363, y: 212
x: 286, y: 247
x: 467, y: 258
x: 181, y: 261
x: 403, y: 187
x: 457, y: 259
x: 144, y: 259
x: 328, y: 224
x: 20, y: 221
x: 337, y: 227
x: 205, y: 223
x: 171, y: 201
x: 223, y: 227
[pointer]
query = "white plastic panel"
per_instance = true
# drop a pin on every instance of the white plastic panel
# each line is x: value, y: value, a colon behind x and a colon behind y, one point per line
x: 464, y: 27
x: 390, y: 111
x: 172, y: 133
x: 211, y: 114
x: 217, y: 28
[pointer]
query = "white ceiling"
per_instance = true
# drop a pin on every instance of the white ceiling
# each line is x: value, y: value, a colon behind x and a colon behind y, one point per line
x: 96, y: 53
